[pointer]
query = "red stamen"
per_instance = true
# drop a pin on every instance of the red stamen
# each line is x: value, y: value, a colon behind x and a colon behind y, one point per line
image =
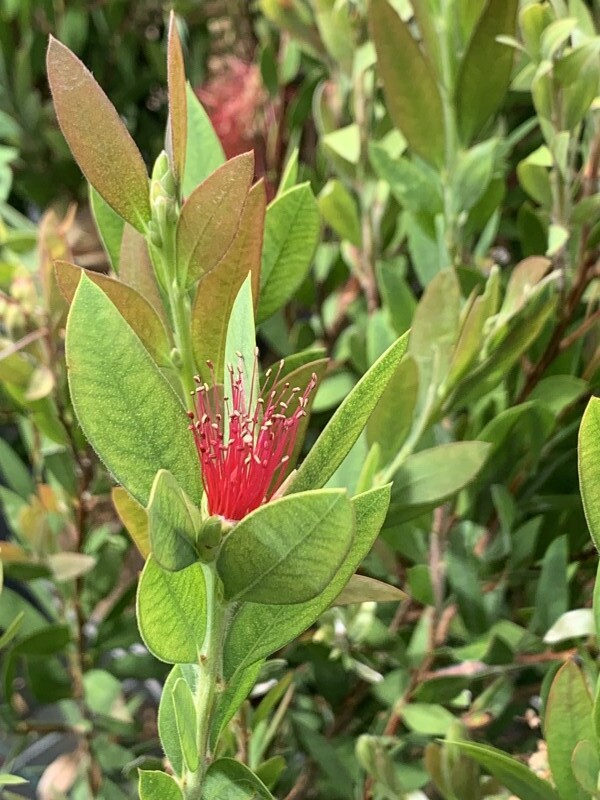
x: 244, y: 471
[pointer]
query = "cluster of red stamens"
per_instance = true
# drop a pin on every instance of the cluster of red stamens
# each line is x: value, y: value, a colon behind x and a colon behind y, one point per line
x: 244, y: 446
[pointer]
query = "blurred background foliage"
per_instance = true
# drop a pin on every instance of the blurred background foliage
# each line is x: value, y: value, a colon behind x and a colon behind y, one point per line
x: 453, y: 147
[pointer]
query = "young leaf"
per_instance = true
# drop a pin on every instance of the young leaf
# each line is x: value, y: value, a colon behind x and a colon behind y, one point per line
x: 204, y: 153
x: 177, y: 99
x: 134, y: 518
x: 155, y: 785
x: 210, y: 218
x: 291, y: 234
x: 104, y: 150
x: 135, y: 310
x: 480, y: 90
x: 568, y: 721
x: 517, y: 778
x: 256, y: 631
x: 346, y: 425
x: 241, y: 341
x: 589, y: 467
x: 218, y: 288
x: 119, y: 394
x: 186, y: 721
x: 415, y: 105
x: 167, y: 720
x: 173, y: 523
x: 136, y: 270
x: 171, y: 612
x: 109, y: 225
x: 227, y: 779
x: 287, y: 550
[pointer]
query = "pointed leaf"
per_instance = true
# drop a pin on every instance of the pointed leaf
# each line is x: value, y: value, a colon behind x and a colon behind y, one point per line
x: 167, y: 720
x: 109, y: 225
x: 346, y: 425
x: 187, y: 722
x: 210, y: 218
x: 218, y: 288
x: 227, y: 779
x: 204, y: 152
x: 479, y: 89
x: 128, y: 411
x: 136, y: 270
x: 517, y: 778
x: 104, y: 150
x: 391, y: 420
x: 240, y: 342
x: 414, y: 104
x: 177, y: 99
x: 155, y: 785
x: 362, y: 589
x: 171, y: 612
x: 291, y: 235
x: 289, y: 549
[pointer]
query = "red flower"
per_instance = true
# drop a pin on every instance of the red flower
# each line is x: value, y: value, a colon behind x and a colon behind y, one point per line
x: 244, y: 468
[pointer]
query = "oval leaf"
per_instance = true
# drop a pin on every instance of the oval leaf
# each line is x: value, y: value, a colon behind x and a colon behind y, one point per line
x: 104, y: 150
x: 172, y: 524
x: 128, y: 411
x: 155, y: 785
x: 171, y: 612
x: 287, y: 550
x: 589, y: 467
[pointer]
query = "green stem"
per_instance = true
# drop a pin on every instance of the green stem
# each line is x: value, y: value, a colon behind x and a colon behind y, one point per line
x: 210, y: 661
x: 451, y: 135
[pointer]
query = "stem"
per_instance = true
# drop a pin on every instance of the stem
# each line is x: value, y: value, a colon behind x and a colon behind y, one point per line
x: 209, y: 682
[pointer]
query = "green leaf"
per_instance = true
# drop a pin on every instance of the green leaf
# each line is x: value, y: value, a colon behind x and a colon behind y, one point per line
x: 135, y: 310
x: 234, y: 694
x: 204, y: 152
x: 155, y: 785
x: 218, y: 288
x: 427, y: 719
x: 104, y: 150
x: 186, y: 721
x: 291, y: 235
x: 119, y: 396
x: 134, y: 518
x: 479, y: 89
x: 14, y: 473
x: 11, y: 780
x: 415, y: 105
x: 289, y: 177
x: 391, y: 420
x: 110, y: 226
x: 362, y: 589
x: 552, y: 593
x: 167, y: 720
x: 258, y: 630
x: 171, y: 611
x: 338, y: 209
x: 240, y: 342
x: 575, y: 624
x: 415, y: 184
x: 289, y: 549
x: 589, y: 467
x: 586, y: 766
x: 227, y: 779
x: 178, y: 123
x: 173, y: 524
x: 517, y: 778
x: 210, y: 218
x: 346, y: 425
x: 432, y: 476
x: 567, y: 721
x: 474, y: 173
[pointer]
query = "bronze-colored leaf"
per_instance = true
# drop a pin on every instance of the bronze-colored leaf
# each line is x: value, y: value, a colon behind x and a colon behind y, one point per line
x: 177, y: 100
x: 134, y: 308
x: 102, y: 146
x: 218, y: 288
x: 210, y: 217
x: 136, y: 270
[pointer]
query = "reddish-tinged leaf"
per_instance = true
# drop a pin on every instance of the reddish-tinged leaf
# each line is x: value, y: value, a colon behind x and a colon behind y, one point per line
x: 104, y: 150
x: 177, y: 100
x: 136, y: 270
x: 218, y: 288
x: 136, y: 310
x: 210, y: 218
